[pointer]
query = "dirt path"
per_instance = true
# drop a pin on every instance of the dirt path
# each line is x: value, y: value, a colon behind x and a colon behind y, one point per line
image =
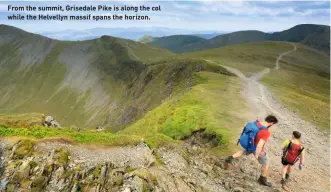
x: 315, y: 176
x: 285, y: 53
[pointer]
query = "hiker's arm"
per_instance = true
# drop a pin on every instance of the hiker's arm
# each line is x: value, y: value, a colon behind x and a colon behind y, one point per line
x: 259, y: 148
x: 302, y: 158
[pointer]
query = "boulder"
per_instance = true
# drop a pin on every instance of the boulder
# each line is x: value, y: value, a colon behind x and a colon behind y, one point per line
x: 49, y: 121
x: 99, y: 128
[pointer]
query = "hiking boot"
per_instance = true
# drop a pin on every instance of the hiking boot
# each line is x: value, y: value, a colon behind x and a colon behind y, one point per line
x: 283, y: 181
x: 229, y: 159
x: 287, y: 176
x: 263, y: 181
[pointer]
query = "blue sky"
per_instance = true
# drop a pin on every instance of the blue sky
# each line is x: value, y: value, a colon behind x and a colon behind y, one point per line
x: 194, y: 15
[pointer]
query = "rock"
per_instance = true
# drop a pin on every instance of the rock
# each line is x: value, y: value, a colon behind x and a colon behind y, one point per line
x: 238, y: 189
x: 99, y: 128
x: 3, y: 184
x: 227, y: 185
x: 103, y: 172
x: 36, y: 169
x: 49, y: 121
x: 229, y: 166
x: 127, y: 190
x: 59, y: 172
x: 74, y: 188
x: 199, y: 68
x: 134, y: 183
x: 79, y: 161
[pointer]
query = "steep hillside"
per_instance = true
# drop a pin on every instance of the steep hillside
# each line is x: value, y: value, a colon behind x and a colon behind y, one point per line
x: 84, y: 83
x: 319, y: 39
x: 296, y: 33
x: 316, y: 36
x: 177, y: 43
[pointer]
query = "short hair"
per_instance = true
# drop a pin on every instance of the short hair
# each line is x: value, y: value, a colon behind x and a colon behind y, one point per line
x: 271, y: 119
x: 297, y: 134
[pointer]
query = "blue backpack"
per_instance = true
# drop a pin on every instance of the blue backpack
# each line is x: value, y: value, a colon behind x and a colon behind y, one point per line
x: 247, y: 138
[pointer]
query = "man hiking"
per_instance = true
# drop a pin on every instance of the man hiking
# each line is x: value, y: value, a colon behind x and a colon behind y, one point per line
x: 292, y: 152
x: 252, y: 140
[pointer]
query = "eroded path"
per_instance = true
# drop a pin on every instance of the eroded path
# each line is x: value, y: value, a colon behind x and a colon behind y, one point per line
x: 315, y: 176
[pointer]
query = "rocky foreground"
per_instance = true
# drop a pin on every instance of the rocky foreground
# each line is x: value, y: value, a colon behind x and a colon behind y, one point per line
x: 59, y: 166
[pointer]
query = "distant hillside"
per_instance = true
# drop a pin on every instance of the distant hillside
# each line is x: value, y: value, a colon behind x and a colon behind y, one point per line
x: 316, y: 36
x: 239, y: 37
x: 149, y: 39
x: 319, y: 39
x: 132, y: 33
x: 84, y: 83
x: 177, y: 43
x: 146, y: 39
x: 208, y: 36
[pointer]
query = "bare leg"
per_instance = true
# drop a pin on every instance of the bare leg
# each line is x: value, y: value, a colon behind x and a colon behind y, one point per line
x: 264, y: 170
x: 289, y: 168
x: 238, y: 154
x: 284, y: 170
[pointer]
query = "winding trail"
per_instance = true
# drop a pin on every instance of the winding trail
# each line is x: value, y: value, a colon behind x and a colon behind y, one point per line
x: 315, y: 176
x: 285, y: 53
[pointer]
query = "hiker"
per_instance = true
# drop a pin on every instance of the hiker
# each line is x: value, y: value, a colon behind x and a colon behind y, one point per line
x: 252, y: 140
x: 292, y: 152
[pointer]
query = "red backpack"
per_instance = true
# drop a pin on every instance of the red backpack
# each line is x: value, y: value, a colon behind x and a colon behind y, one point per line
x: 292, y: 152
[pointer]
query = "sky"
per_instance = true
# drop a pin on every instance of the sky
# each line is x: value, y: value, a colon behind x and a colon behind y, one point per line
x: 203, y: 15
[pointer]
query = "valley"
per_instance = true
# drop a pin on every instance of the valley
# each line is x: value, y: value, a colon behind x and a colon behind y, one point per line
x: 170, y: 119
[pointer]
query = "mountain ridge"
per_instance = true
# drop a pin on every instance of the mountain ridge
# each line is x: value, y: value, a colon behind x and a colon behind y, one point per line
x: 90, y: 78
x: 308, y: 34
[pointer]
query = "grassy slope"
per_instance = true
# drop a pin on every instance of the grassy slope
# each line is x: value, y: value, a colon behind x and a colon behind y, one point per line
x: 178, y: 43
x: 248, y: 57
x: 206, y: 105
x: 301, y: 84
x: 39, y: 87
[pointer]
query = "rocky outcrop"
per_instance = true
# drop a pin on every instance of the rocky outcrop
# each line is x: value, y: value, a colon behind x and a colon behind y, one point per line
x: 49, y: 121
x: 32, y: 167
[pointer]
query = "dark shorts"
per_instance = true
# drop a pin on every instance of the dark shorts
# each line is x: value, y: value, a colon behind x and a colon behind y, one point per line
x: 285, y: 163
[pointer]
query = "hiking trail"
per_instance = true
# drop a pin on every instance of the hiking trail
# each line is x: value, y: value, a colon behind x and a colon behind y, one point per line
x: 315, y: 176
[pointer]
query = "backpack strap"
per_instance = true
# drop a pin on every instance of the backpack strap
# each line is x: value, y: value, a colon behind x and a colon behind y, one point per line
x: 300, y: 151
x: 297, y: 158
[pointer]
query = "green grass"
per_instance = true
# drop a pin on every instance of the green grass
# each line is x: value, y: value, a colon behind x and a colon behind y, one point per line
x: 173, y: 119
x: 21, y: 120
x: 24, y: 147
x: 42, y: 86
x: 88, y: 137
x: 247, y: 57
x: 302, y: 84
x: 206, y: 105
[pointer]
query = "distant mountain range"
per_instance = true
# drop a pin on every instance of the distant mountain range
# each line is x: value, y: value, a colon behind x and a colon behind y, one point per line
x: 132, y: 33
x: 316, y: 36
